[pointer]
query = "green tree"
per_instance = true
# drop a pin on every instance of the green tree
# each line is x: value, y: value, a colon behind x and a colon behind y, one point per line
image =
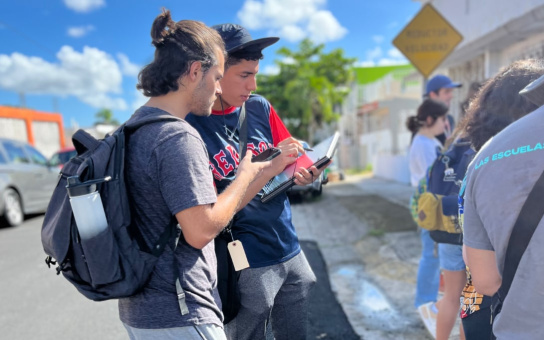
x: 105, y: 116
x: 308, y: 87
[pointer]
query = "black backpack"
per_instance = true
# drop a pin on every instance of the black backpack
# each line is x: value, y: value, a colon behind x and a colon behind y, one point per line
x: 117, y: 262
x: 445, y: 177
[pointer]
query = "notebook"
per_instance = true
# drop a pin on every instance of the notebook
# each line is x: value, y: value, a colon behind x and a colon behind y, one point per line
x: 320, y: 156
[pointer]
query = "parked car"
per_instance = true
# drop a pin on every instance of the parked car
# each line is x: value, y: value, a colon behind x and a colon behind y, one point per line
x: 27, y: 181
x: 62, y: 156
x: 315, y: 188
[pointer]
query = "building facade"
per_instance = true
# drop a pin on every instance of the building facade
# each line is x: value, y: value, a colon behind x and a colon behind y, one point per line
x: 373, y: 120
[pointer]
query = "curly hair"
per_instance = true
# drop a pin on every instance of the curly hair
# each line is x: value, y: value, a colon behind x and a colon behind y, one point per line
x: 498, y: 102
x: 177, y: 46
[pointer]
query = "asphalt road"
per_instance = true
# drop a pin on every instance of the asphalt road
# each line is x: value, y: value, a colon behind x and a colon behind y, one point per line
x: 37, y: 304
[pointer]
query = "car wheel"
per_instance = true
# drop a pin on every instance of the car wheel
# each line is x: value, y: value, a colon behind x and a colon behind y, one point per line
x: 13, y: 209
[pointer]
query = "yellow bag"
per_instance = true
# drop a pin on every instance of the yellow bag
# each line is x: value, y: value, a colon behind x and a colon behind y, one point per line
x: 430, y: 214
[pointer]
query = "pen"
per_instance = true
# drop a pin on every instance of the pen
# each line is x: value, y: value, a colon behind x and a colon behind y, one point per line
x: 308, y: 149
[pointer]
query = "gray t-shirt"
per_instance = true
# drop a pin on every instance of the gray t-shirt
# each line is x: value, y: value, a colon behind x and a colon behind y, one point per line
x: 167, y: 171
x: 497, y: 184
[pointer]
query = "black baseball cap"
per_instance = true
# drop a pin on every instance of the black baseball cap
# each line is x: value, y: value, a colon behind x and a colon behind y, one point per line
x: 237, y: 37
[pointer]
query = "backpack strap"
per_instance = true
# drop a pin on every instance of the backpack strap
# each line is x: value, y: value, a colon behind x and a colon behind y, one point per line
x: 179, y: 291
x: 132, y: 126
x: 528, y: 219
x: 83, y: 141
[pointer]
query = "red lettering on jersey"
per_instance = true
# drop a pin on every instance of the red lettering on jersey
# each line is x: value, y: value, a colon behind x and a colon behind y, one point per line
x: 251, y: 147
x: 262, y: 146
x: 234, y: 154
x: 222, y: 163
x: 215, y: 173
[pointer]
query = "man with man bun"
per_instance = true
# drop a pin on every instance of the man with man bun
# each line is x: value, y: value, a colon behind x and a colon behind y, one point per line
x: 168, y: 179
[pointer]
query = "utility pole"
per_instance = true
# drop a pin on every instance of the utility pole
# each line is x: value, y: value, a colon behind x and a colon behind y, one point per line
x: 22, y: 99
x: 55, y: 105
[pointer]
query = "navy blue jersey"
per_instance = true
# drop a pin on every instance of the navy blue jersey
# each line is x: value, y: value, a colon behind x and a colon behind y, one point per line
x: 265, y: 229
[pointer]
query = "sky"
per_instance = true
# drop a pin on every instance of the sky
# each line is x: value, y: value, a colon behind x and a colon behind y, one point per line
x: 76, y: 57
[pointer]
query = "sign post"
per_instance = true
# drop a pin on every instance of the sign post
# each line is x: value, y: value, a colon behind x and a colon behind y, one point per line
x: 427, y: 40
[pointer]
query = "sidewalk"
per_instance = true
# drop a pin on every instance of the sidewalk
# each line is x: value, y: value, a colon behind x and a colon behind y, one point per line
x: 371, y: 247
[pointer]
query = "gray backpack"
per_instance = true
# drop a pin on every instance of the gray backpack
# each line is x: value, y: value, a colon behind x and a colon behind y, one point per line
x: 117, y: 262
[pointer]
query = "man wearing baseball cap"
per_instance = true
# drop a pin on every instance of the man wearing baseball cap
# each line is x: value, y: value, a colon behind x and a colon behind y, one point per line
x: 440, y: 88
x: 276, y: 285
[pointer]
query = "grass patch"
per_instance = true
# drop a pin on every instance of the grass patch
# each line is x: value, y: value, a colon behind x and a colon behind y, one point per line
x: 376, y: 232
x: 359, y: 171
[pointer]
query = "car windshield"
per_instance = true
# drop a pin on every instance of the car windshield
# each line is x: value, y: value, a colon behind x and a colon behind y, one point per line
x: 66, y: 156
x: 63, y: 157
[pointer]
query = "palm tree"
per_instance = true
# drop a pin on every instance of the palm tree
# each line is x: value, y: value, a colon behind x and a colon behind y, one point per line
x: 105, y: 116
x: 308, y: 87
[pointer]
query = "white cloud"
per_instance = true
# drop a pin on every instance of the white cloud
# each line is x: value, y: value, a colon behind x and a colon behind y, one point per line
x: 139, y: 100
x: 324, y: 27
x: 291, y: 33
x: 288, y: 61
x: 84, y: 6
x: 395, y: 53
x: 292, y: 19
x: 374, y: 57
x: 79, y: 31
x: 374, y: 53
x: 127, y: 67
x: 91, y: 76
x: 270, y: 70
x: 391, y: 62
x: 378, y: 39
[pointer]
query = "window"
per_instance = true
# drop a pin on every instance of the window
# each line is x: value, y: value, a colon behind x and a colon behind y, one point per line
x: 36, y: 156
x: 15, y: 152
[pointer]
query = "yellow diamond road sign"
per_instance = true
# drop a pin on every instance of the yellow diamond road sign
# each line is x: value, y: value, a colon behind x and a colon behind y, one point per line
x: 427, y: 40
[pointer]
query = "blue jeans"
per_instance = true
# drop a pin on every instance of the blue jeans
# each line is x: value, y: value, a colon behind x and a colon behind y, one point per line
x: 451, y: 257
x: 428, y: 274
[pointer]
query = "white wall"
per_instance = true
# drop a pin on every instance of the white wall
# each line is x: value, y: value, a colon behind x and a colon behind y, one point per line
x: 392, y: 167
x: 13, y: 128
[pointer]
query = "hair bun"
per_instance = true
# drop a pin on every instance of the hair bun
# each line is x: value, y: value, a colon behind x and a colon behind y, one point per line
x: 413, y: 124
x: 159, y: 28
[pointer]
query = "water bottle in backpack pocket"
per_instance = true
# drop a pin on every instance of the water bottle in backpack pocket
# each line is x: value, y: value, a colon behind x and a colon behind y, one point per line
x: 95, y: 236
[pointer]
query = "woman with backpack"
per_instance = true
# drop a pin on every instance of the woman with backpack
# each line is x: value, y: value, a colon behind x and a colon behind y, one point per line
x: 429, y: 122
x: 495, y: 106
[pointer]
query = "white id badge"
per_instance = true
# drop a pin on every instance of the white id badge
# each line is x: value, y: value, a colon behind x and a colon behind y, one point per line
x: 238, y: 255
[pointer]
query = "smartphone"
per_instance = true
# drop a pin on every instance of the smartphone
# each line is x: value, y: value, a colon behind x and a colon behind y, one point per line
x: 266, y: 155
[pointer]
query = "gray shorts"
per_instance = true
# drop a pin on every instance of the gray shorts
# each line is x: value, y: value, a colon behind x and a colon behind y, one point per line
x: 196, y: 332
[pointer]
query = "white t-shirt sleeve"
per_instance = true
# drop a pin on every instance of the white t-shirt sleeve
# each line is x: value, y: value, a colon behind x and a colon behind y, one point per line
x: 423, y: 152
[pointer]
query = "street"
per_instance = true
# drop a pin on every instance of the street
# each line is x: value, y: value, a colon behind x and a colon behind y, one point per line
x: 344, y: 234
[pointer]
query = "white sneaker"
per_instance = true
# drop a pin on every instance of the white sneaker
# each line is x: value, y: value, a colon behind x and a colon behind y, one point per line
x: 427, y: 313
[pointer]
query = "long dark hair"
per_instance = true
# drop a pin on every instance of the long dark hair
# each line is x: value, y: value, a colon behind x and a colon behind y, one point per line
x: 429, y: 108
x: 498, y: 102
x: 178, y: 45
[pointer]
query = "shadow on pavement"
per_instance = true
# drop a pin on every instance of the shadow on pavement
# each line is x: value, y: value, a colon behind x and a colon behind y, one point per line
x: 326, y: 318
